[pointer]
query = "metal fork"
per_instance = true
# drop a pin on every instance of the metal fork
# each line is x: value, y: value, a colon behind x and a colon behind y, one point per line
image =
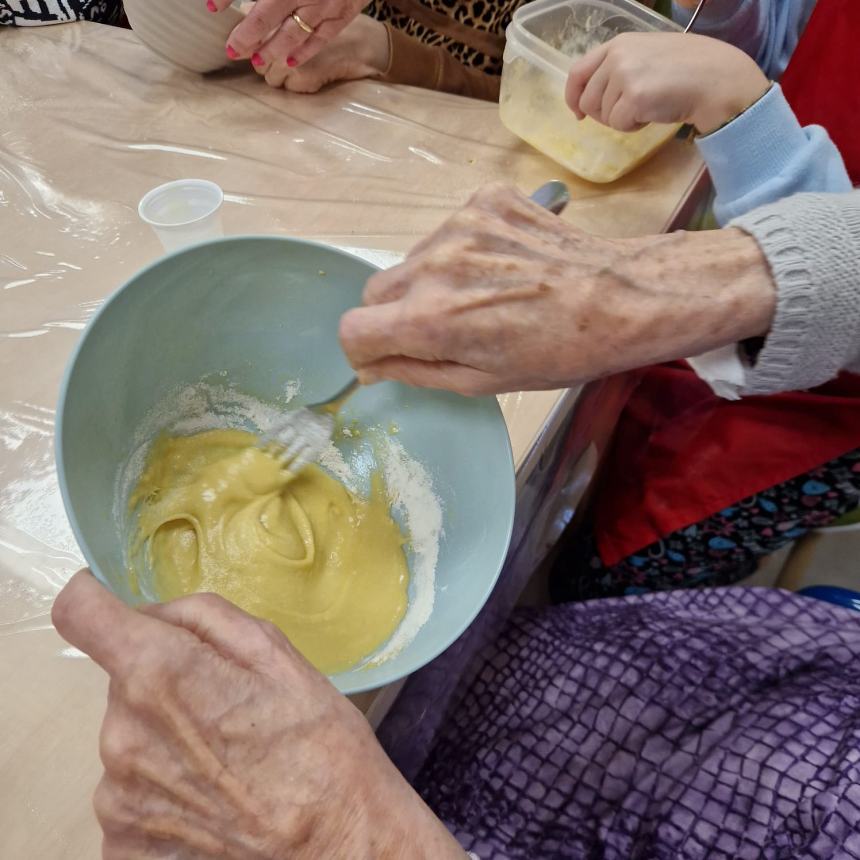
x: 304, y: 434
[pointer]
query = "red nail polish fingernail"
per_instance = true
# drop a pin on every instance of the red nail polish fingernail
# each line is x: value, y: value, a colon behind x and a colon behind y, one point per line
x: 292, y: 62
x: 257, y: 60
x: 232, y: 53
x: 210, y: 5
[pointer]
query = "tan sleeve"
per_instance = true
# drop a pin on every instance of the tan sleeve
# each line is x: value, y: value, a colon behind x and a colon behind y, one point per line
x: 418, y: 65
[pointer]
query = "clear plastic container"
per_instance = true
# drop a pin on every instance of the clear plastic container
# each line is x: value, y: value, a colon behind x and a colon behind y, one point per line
x: 543, y: 39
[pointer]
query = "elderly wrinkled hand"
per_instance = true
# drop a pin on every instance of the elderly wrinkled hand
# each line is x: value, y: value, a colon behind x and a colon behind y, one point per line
x: 221, y: 741
x: 505, y: 296
x: 289, y: 31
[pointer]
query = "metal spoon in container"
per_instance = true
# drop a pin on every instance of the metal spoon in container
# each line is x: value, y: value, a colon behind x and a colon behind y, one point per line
x: 303, y: 435
x: 623, y: 24
x: 695, y: 15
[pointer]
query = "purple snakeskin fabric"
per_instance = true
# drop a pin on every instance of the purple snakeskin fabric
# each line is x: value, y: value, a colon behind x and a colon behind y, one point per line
x: 699, y: 724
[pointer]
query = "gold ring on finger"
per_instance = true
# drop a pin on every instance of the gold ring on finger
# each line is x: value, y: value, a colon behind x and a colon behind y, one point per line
x: 303, y: 24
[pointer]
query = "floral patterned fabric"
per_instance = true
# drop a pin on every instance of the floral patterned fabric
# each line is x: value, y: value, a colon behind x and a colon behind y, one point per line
x: 721, y: 549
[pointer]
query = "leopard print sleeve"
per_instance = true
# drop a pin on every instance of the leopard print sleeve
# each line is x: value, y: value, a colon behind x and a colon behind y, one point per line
x: 472, y: 31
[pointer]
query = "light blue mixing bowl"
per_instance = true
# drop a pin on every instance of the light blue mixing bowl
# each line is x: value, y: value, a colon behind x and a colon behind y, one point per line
x: 257, y: 312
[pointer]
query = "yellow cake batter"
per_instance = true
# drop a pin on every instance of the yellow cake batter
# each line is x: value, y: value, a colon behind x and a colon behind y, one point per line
x: 217, y: 513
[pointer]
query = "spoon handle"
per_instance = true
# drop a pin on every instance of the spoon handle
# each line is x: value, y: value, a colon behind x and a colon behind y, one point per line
x: 553, y: 196
x: 695, y: 15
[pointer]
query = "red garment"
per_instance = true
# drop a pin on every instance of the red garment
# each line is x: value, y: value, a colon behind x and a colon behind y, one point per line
x: 682, y: 454
x: 821, y: 82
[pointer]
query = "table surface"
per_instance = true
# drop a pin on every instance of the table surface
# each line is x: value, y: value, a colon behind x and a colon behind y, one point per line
x: 90, y: 121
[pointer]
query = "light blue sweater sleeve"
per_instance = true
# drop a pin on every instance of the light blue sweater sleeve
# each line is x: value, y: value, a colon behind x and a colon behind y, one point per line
x: 768, y: 30
x: 765, y: 155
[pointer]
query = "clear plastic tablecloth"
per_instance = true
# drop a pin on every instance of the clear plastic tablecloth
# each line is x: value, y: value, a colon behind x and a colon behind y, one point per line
x: 89, y: 121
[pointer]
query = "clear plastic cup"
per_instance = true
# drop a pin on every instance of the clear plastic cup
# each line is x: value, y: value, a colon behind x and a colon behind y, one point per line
x: 183, y: 212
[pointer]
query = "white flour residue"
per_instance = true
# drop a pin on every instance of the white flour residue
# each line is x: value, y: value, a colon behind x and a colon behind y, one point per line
x: 332, y: 460
x: 291, y: 390
x: 410, y: 489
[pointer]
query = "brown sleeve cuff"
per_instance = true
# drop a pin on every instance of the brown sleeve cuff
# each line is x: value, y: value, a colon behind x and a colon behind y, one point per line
x: 415, y: 64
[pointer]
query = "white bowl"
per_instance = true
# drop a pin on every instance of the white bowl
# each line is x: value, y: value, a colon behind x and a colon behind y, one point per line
x: 184, y: 32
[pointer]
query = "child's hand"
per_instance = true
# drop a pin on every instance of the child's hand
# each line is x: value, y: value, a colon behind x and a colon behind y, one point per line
x: 637, y: 78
